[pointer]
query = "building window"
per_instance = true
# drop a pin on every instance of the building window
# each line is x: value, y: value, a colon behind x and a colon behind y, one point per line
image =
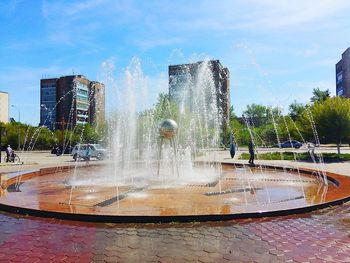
x: 340, y: 77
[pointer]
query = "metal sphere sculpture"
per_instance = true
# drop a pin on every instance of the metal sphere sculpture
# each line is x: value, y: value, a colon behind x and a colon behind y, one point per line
x: 168, y: 129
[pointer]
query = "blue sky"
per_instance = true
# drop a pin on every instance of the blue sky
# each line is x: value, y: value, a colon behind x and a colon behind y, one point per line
x: 276, y: 51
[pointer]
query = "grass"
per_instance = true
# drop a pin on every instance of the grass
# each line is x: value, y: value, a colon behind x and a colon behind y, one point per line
x: 304, y: 156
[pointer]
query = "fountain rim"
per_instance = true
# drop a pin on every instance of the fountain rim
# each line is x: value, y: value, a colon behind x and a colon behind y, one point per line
x: 100, y: 218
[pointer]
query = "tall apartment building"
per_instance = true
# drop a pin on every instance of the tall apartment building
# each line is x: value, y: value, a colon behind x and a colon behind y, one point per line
x: 342, y: 73
x: 4, y: 107
x: 182, y: 79
x: 97, y: 103
x: 48, y: 100
x: 71, y: 100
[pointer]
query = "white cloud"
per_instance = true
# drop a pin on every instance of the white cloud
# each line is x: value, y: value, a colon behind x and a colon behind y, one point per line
x: 280, y: 14
x: 161, y: 23
x: 80, y: 24
x: 256, y: 14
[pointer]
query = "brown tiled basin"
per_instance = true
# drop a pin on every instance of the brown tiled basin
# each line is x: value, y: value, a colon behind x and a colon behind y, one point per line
x: 89, y: 193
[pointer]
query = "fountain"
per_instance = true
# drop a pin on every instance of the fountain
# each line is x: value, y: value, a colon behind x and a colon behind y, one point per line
x: 167, y: 130
x: 147, y: 179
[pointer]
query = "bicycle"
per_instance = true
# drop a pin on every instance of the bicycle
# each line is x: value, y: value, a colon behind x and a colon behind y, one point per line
x: 14, y: 158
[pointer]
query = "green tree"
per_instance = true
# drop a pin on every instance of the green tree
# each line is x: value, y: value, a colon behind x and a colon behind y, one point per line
x: 259, y: 115
x: 103, y: 133
x: 256, y: 114
x: 240, y: 131
x: 320, y: 95
x: 296, y: 110
x: 41, y: 138
x: 165, y: 108
x: 85, y: 133
x: 14, y: 134
x: 45, y: 139
x: 225, y: 134
x: 232, y: 114
x: 332, y: 120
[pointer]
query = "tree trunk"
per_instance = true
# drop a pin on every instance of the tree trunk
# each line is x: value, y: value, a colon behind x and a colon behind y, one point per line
x: 338, y: 148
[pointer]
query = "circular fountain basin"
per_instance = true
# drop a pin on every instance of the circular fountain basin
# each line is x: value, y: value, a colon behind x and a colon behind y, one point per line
x: 239, y: 192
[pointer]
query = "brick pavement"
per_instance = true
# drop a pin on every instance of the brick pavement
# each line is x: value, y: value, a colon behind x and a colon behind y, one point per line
x: 320, y: 236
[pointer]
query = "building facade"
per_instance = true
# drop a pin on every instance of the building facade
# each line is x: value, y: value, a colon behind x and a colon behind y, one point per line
x: 182, y: 79
x: 342, y: 73
x: 48, y: 100
x: 97, y: 102
x: 70, y: 100
x: 4, y: 107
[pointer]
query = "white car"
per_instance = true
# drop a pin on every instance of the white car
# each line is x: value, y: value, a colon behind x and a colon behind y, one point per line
x: 86, y: 151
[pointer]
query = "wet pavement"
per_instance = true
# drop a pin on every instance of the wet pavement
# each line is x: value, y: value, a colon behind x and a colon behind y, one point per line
x: 238, y: 191
x: 320, y: 236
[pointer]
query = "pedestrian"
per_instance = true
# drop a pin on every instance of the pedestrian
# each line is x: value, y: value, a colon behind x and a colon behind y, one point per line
x: 232, y: 150
x: 251, y: 152
x: 232, y: 146
x: 9, y: 153
x: 88, y: 153
x: 311, y: 150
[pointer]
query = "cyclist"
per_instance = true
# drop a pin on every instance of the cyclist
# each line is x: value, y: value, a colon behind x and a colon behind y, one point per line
x: 9, y: 154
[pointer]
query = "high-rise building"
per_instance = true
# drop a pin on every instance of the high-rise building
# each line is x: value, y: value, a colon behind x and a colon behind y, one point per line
x: 70, y: 100
x: 183, y: 78
x: 48, y: 100
x: 4, y: 107
x: 97, y: 102
x: 342, y: 73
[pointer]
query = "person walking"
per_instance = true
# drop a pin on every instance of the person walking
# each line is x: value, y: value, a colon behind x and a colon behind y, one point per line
x: 88, y: 153
x: 232, y: 146
x: 251, y: 152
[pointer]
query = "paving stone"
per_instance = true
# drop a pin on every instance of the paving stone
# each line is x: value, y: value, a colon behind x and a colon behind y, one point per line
x: 313, y: 237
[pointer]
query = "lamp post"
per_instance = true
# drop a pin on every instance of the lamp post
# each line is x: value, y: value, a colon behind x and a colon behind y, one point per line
x: 19, y: 128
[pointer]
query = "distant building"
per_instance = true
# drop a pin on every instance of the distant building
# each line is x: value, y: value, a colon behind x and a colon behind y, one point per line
x: 48, y: 100
x: 183, y: 77
x: 71, y: 100
x: 97, y: 103
x: 342, y: 71
x: 4, y: 107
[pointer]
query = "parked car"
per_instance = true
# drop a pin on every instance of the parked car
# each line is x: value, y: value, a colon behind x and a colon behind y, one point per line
x: 80, y: 151
x: 290, y: 144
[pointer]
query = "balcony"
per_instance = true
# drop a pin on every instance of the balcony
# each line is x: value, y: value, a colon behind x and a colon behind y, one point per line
x: 82, y: 116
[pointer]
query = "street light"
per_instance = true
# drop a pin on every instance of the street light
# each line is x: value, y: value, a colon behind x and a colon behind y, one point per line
x: 19, y: 129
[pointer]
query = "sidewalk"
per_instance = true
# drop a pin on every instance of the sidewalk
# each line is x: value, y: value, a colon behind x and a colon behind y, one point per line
x: 36, y: 160
x: 336, y: 167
